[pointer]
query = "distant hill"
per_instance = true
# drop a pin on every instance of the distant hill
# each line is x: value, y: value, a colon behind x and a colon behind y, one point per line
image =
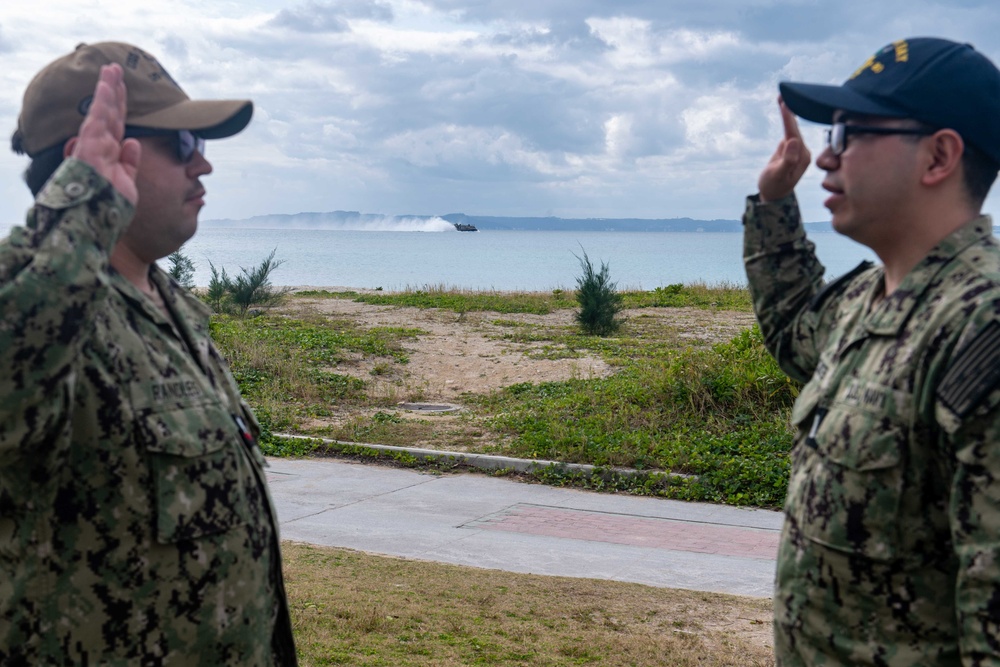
x: 553, y: 224
x: 354, y: 220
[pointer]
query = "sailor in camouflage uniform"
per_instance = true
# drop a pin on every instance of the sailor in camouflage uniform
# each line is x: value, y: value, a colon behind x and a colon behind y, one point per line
x: 136, y: 526
x: 890, y: 553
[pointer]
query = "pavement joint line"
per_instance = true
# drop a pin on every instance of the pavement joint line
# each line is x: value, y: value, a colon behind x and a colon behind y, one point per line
x: 364, y: 500
x: 649, y: 516
x: 309, y: 516
x: 487, y: 461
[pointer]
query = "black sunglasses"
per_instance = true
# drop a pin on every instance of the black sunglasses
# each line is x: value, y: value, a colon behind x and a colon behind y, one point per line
x: 185, y: 142
x: 836, y: 136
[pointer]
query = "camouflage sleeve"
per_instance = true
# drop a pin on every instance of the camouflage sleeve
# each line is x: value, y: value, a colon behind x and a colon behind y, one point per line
x: 53, y: 274
x: 968, y: 410
x: 784, y: 276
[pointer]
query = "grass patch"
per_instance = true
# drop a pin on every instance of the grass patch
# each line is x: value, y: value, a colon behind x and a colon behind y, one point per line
x: 717, y: 413
x: 287, y: 368
x: 350, y: 608
x: 462, y: 301
x: 325, y: 294
x: 461, y: 432
x: 723, y: 296
x: 720, y: 415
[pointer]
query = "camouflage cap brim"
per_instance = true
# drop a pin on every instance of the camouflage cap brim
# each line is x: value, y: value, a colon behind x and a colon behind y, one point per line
x: 211, y: 119
x: 57, y: 99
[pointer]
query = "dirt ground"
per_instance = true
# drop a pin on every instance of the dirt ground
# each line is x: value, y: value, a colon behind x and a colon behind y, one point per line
x: 474, y: 352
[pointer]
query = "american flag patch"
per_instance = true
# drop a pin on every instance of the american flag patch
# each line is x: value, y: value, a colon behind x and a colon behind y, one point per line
x: 974, y: 372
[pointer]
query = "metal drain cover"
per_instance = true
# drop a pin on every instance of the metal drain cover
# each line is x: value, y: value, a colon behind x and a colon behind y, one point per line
x: 428, y: 407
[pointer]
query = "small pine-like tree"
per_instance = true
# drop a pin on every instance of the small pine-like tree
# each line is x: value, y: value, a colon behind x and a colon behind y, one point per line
x: 181, y: 269
x: 599, y: 300
x: 251, y: 289
x: 218, y: 289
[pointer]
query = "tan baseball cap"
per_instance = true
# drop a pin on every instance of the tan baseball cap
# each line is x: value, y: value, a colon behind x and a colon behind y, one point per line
x: 57, y: 99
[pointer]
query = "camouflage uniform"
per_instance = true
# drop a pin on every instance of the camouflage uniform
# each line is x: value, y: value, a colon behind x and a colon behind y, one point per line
x: 135, y: 523
x: 890, y: 553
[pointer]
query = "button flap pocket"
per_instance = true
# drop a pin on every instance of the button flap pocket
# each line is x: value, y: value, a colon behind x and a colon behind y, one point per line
x: 187, y: 432
x: 846, y: 492
x: 855, y: 441
x: 199, y: 474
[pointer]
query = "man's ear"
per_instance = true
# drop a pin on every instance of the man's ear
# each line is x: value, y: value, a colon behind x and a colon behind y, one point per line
x: 68, y: 147
x: 945, y: 148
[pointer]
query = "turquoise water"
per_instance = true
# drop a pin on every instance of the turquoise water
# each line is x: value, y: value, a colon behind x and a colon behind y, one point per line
x: 500, y: 260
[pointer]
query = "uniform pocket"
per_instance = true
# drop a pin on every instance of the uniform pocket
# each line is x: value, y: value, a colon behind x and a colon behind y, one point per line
x: 848, y: 483
x: 195, y: 464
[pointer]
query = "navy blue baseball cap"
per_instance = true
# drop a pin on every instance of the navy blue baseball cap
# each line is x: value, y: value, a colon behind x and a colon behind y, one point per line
x: 935, y: 81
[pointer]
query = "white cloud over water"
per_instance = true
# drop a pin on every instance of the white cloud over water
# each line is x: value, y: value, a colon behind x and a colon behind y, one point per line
x: 573, y: 108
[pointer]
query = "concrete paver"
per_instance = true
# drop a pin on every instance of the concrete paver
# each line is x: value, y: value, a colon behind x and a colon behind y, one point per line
x: 670, y: 534
x: 470, y: 519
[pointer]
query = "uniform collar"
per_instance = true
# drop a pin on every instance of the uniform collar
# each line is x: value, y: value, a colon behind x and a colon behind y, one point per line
x: 888, y: 317
x: 178, y: 299
x: 185, y: 307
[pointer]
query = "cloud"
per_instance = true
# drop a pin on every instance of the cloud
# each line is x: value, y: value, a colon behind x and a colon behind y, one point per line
x: 6, y: 46
x: 716, y: 124
x: 317, y: 17
x: 470, y: 153
x: 578, y: 107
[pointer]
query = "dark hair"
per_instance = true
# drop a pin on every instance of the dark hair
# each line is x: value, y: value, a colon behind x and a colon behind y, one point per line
x: 980, y: 172
x: 42, y: 167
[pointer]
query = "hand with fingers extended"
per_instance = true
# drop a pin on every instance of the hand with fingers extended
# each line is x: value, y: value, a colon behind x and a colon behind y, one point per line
x: 99, y: 142
x: 789, y: 162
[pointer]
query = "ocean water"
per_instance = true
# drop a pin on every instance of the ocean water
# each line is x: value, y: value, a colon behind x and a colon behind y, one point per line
x: 488, y: 259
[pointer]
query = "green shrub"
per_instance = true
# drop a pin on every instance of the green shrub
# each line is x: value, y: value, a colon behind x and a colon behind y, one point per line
x: 251, y: 289
x: 599, y: 300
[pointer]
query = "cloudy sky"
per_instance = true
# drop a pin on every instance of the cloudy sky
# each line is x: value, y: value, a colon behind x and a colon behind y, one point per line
x: 572, y: 108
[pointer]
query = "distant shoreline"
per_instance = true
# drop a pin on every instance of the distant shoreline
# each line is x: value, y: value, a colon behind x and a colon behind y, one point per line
x: 335, y: 289
x: 810, y: 227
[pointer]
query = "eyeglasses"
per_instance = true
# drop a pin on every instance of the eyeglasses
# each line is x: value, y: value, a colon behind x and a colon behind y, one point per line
x: 836, y: 136
x: 185, y: 142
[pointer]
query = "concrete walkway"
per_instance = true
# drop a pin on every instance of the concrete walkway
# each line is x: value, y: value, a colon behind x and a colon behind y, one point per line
x: 472, y: 519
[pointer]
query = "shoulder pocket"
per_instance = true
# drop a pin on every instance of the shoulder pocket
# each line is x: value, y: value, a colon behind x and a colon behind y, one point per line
x: 198, y: 479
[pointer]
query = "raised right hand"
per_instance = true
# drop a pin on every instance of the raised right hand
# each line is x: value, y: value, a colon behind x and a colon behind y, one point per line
x: 99, y: 142
x: 789, y: 162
